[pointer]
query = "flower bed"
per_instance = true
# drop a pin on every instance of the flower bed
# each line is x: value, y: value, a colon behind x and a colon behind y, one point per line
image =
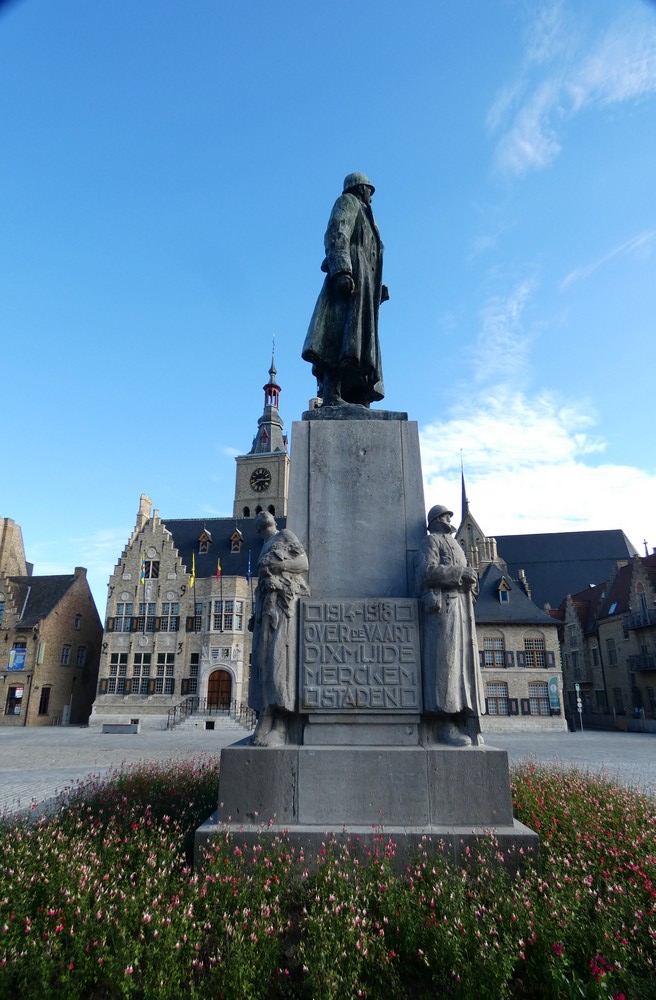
x: 100, y: 901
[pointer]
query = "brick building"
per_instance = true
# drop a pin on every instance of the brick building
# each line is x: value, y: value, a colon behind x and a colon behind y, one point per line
x: 608, y: 638
x: 51, y: 634
x: 518, y: 643
x: 181, y: 596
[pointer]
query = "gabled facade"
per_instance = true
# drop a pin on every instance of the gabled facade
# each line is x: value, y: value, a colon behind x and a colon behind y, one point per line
x: 609, y: 643
x: 181, y: 596
x: 50, y: 636
x: 517, y: 642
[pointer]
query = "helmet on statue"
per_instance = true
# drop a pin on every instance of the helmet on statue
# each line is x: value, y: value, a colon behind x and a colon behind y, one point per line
x: 355, y: 180
x: 437, y: 511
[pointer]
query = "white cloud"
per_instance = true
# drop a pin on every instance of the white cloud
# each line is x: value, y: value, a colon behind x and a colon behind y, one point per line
x: 561, y: 74
x: 527, y: 468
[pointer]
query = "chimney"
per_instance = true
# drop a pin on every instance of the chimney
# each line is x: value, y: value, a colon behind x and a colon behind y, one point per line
x: 145, y: 506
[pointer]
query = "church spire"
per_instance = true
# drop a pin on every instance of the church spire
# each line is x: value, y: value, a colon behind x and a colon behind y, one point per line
x: 270, y: 436
x: 464, y: 501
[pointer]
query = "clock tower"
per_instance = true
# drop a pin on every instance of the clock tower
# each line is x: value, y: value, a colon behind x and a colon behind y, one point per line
x: 263, y: 474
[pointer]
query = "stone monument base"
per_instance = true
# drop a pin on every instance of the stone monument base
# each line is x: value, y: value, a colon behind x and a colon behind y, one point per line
x: 453, y: 796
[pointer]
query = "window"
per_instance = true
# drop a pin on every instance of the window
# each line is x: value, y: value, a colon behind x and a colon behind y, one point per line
x: 17, y: 655
x: 146, y: 617
x: 497, y: 699
x: 203, y: 545
x: 494, y: 654
x: 165, y: 680
x: 247, y: 512
x: 595, y: 656
x: 576, y: 667
x: 2, y: 611
x: 194, y: 667
x: 65, y: 655
x: 612, y: 652
x: 81, y: 656
x: 44, y: 701
x: 619, y: 699
x: 118, y: 668
x: 141, y: 673
x: 228, y: 616
x: 170, y: 617
x: 538, y: 695
x: 78, y: 622
x: 236, y: 539
x: 534, y: 649
x: 651, y: 698
x: 198, y: 616
x: 123, y: 617
x: 572, y: 636
x: 14, y: 700
x: 150, y: 570
x: 504, y: 596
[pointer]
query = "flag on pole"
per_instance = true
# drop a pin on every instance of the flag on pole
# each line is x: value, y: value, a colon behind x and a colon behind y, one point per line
x: 248, y: 570
x: 192, y: 582
x: 142, y: 575
x: 218, y: 568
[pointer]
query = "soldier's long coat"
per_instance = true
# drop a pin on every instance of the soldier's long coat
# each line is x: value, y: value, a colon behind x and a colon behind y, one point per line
x: 451, y: 676
x: 343, y: 332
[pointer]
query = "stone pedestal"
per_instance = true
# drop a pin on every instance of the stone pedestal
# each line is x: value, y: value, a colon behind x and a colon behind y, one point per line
x: 356, y: 502
x: 356, y: 505
x: 453, y: 796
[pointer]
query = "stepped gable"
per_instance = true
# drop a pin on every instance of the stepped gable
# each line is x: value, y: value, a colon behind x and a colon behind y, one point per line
x: 519, y: 610
x: 564, y: 562
x: 36, y: 596
x: 185, y: 533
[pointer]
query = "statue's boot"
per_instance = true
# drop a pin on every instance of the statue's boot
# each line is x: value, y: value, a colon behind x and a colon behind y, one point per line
x: 263, y: 728
x: 452, y: 734
x: 332, y: 390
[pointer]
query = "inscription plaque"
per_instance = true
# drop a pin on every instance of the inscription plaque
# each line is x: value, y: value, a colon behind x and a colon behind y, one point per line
x: 359, y: 656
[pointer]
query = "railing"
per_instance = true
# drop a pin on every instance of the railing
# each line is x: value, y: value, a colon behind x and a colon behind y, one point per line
x: 642, y: 661
x: 642, y: 619
x: 195, y: 705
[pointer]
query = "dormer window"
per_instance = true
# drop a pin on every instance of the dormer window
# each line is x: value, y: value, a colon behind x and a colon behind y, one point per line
x: 204, y: 541
x: 504, y: 592
x: 236, y: 540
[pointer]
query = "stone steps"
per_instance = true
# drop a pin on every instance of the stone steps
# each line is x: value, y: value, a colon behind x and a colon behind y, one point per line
x: 217, y: 723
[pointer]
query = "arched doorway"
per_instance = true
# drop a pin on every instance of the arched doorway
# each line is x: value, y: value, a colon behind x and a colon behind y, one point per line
x: 219, y: 689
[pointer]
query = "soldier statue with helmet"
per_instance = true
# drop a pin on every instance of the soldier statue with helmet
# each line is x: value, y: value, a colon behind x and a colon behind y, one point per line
x: 446, y: 585
x: 342, y: 340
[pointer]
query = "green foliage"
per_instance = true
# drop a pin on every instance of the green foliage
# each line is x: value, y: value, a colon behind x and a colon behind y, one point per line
x: 100, y: 901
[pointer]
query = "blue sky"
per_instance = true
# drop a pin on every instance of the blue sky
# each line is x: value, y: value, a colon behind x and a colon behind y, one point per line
x: 166, y: 174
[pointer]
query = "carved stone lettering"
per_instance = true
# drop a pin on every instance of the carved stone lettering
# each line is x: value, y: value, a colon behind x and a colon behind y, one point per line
x: 360, y: 656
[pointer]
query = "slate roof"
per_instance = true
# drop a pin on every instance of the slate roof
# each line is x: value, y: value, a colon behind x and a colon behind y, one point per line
x: 586, y: 604
x: 187, y: 531
x: 518, y: 610
x: 42, y: 594
x: 564, y: 562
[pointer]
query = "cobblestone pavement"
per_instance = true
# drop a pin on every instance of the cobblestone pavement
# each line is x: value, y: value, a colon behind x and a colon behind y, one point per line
x: 629, y: 758
x: 37, y: 764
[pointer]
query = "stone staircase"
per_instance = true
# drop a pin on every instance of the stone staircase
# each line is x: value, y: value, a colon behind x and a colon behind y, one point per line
x: 215, y: 722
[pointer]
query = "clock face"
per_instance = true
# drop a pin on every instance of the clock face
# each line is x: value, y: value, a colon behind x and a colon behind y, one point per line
x: 260, y: 480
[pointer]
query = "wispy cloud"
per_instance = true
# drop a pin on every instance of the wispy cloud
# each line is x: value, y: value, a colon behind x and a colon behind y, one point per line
x: 640, y: 245
x: 564, y: 71
x: 501, y: 350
